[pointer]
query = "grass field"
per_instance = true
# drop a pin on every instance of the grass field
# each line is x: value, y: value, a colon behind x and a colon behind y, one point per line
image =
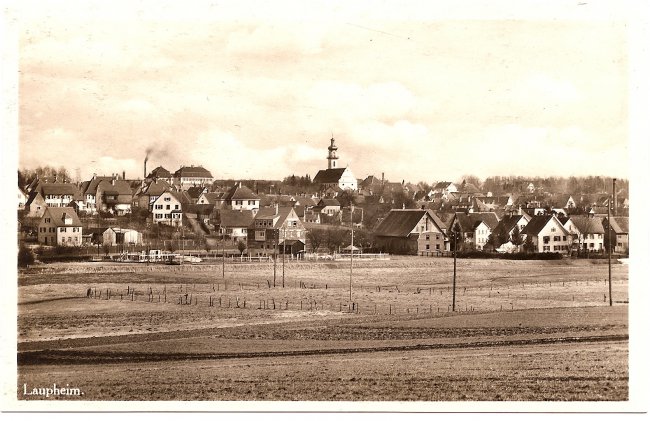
x: 522, y: 330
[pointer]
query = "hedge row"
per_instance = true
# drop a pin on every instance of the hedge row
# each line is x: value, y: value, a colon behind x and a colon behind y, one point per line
x: 508, y: 256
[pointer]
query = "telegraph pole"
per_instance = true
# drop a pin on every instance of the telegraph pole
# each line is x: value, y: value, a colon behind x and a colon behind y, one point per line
x: 609, y: 241
x: 275, y: 255
x: 453, y: 292
x: 284, y: 250
x: 223, y: 258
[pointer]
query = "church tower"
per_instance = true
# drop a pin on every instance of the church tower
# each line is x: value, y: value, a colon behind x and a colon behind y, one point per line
x: 331, y: 157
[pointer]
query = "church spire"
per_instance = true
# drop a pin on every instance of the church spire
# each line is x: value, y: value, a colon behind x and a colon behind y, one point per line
x: 331, y: 156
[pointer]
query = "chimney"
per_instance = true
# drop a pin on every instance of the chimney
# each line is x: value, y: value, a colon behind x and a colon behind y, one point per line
x: 277, y: 208
x: 145, y: 166
x: 123, y: 175
x: 382, y: 178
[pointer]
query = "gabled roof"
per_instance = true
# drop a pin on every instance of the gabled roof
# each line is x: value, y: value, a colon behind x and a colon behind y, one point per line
x: 587, y: 225
x: 442, y: 185
x: 34, y: 196
x: 371, y: 181
x: 508, y: 223
x: 90, y: 187
x: 236, y: 218
x: 57, y: 216
x: 270, y: 213
x: 58, y: 189
x: 195, y: 191
x: 537, y: 224
x: 332, y: 175
x: 119, y: 187
x: 156, y: 188
x: 469, y: 221
x: 399, y: 222
x: 213, y: 197
x: 239, y: 192
x: 193, y: 171
x: 620, y: 224
x: 159, y: 172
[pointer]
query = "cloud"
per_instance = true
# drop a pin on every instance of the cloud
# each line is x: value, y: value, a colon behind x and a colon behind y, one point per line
x: 276, y: 40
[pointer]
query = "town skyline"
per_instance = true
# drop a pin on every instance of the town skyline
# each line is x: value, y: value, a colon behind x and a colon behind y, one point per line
x: 258, y: 96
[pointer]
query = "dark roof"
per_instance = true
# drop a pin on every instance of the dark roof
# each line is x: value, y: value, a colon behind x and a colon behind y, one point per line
x: 90, y: 187
x: 620, y: 224
x: 370, y: 181
x: 195, y: 191
x: 58, y: 189
x: 159, y: 172
x: 236, y: 218
x: 270, y: 213
x: 192, y: 171
x: 469, y: 188
x: 332, y: 175
x: 538, y: 222
x: 399, y: 222
x: 119, y: 187
x: 329, y: 202
x: 442, y: 185
x: 587, y: 224
x: 57, y: 216
x: 239, y: 192
x: 213, y: 197
x: 469, y: 221
x: 508, y: 223
x: 33, y: 196
x: 156, y: 188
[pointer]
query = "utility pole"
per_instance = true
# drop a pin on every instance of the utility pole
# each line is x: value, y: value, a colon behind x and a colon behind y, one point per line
x: 223, y: 258
x: 284, y: 250
x: 609, y: 241
x: 453, y: 292
x: 275, y: 254
x: 351, y: 248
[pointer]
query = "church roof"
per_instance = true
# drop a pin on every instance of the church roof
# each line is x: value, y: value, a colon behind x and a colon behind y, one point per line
x: 332, y: 175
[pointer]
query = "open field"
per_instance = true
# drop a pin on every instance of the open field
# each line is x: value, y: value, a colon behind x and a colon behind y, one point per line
x: 523, y: 330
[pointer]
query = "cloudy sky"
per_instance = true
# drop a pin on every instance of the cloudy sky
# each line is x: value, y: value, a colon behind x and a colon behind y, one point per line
x: 251, y: 89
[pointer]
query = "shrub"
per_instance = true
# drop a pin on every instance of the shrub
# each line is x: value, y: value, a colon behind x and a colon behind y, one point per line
x: 25, y: 256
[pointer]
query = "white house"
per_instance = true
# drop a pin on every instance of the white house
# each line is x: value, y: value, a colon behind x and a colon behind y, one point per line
x: 60, y: 226
x: 240, y: 197
x: 587, y: 232
x: 168, y: 209
x: 548, y: 235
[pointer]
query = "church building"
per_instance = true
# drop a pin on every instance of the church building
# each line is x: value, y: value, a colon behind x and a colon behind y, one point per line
x: 335, y: 177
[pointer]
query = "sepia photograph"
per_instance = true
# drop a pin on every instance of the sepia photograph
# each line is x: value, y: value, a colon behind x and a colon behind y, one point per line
x: 394, y: 206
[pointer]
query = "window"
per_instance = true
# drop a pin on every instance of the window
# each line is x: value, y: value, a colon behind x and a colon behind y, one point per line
x: 168, y: 199
x: 556, y: 248
x: 556, y: 238
x: 552, y: 229
x: 547, y: 248
x: 427, y: 238
x: 62, y: 229
x: 168, y: 207
x: 238, y: 202
x: 427, y: 247
x: 251, y: 202
x: 546, y: 239
x: 564, y: 238
x: 175, y: 206
x: 437, y: 246
x: 47, y: 220
x: 591, y: 245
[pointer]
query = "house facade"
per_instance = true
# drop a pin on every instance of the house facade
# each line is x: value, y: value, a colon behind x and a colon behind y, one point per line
x: 35, y: 206
x: 234, y: 223
x: 619, y: 232
x: 241, y: 197
x: 276, y: 227
x: 168, y: 209
x: 186, y: 177
x: 548, y: 235
x: 410, y: 231
x: 587, y: 232
x: 60, y: 226
x: 475, y: 227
